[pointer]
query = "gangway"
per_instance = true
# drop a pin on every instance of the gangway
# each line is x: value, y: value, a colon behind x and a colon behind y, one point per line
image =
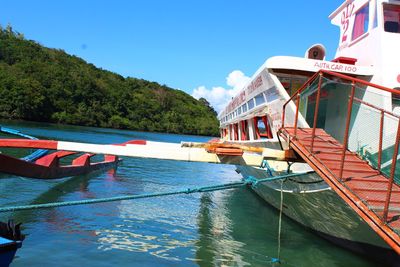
x: 362, y: 167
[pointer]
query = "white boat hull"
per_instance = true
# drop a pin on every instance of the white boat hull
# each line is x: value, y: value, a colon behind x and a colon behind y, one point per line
x: 308, y: 200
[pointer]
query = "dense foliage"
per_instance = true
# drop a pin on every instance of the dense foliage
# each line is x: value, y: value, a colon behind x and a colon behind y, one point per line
x: 48, y: 85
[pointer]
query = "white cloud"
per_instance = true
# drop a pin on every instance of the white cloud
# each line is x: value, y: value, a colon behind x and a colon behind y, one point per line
x: 219, y: 96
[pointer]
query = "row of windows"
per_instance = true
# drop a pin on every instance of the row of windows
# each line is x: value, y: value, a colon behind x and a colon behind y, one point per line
x: 256, y: 101
x: 240, y: 131
x: 391, y: 20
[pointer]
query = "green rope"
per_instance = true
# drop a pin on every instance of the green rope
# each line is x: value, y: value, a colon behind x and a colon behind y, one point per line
x: 254, y: 181
x: 250, y: 181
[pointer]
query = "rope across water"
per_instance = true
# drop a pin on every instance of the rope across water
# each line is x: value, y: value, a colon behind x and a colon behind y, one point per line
x: 250, y: 181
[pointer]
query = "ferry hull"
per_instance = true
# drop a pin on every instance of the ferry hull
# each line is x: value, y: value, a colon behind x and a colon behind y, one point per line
x: 308, y: 200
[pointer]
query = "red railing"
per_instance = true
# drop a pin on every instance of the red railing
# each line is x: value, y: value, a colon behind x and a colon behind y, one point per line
x: 354, y: 82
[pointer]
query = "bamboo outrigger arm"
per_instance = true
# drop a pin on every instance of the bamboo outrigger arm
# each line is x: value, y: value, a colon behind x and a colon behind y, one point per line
x: 265, y: 153
x: 193, y: 152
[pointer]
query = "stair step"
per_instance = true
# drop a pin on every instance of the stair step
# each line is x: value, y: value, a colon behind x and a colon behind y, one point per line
x: 357, y: 161
x: 378, y: 190
x: 338, y: 157
x: 381, y: 208
x: 350, y: 167
x: 383, y: 201
x: 350, y: 174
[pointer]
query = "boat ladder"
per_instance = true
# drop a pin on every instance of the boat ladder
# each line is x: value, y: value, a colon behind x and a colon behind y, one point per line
x: 368, y: 182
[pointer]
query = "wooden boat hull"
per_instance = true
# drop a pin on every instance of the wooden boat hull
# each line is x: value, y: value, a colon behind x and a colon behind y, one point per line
x: 308, y: 200
x: 15, y: 166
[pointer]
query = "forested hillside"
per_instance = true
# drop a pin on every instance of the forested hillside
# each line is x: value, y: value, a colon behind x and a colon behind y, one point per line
x: 48, y: 85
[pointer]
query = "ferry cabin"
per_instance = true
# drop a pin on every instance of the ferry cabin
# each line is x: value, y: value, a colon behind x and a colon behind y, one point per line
x: 367, y: 49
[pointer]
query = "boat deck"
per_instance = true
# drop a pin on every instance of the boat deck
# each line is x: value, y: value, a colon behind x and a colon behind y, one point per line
x: 364, y: 188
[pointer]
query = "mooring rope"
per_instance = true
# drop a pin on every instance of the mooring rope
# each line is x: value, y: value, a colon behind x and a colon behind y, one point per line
x: 250, y: 181
x: 280, y: 222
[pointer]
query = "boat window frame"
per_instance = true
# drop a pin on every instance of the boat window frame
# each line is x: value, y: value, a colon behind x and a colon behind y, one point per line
x: 235, y: 131
x: 253, y: 102
x: 387, y: 7
x: 244, y: 107
x: 244, y: 130
x: 258, y: 97
x: 395, y: 99
x: 268, y: 130
x: 367, y: 25
x: 375, y: 17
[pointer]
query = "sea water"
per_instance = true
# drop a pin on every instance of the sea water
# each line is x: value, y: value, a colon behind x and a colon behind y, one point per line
x: 225, y: 228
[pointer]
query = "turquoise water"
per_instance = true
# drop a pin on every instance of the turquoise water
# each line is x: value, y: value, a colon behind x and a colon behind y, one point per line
x: 225, y: 228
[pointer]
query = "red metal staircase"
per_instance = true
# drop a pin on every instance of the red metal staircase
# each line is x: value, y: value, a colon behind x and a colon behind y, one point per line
x: 373, y: 194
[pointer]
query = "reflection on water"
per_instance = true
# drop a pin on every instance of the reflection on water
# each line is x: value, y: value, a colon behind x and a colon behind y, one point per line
x: 215, y: 245
x: 225, y: 228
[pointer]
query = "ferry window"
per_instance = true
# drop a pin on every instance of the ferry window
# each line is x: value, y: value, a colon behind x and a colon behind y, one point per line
x: 391, y: 14
x: 244, y: 107
x: 236, y: 132
x: 395, y: 99
x: 239, y: 110
x: 243, y: 130
x: 250, y: 103
x: 225, y: 132
x: 262, y: 127
x: 361, y: 22
x: 259, y: 99
x: 291, y: 85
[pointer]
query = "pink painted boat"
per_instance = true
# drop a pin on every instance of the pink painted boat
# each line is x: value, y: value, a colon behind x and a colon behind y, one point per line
x: 49, y: 167
x: 44, y: 165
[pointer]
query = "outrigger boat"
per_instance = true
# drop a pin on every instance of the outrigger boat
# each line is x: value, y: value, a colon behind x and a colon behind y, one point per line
x: 40, y: 164
x: 46, y: 164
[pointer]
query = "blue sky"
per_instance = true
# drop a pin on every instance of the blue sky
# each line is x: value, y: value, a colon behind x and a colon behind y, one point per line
x: 184, y: 44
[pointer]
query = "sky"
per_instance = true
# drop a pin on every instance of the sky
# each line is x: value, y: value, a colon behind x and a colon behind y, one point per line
x: 207, y: 48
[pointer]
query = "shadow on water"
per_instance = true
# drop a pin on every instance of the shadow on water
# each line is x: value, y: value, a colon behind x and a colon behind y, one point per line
x: 56, y: 193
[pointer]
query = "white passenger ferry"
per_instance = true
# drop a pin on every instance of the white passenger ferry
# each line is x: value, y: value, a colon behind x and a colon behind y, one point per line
x: 368, y: 50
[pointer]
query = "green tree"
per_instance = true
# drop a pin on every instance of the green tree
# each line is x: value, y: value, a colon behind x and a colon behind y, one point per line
x: 42, y: 84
